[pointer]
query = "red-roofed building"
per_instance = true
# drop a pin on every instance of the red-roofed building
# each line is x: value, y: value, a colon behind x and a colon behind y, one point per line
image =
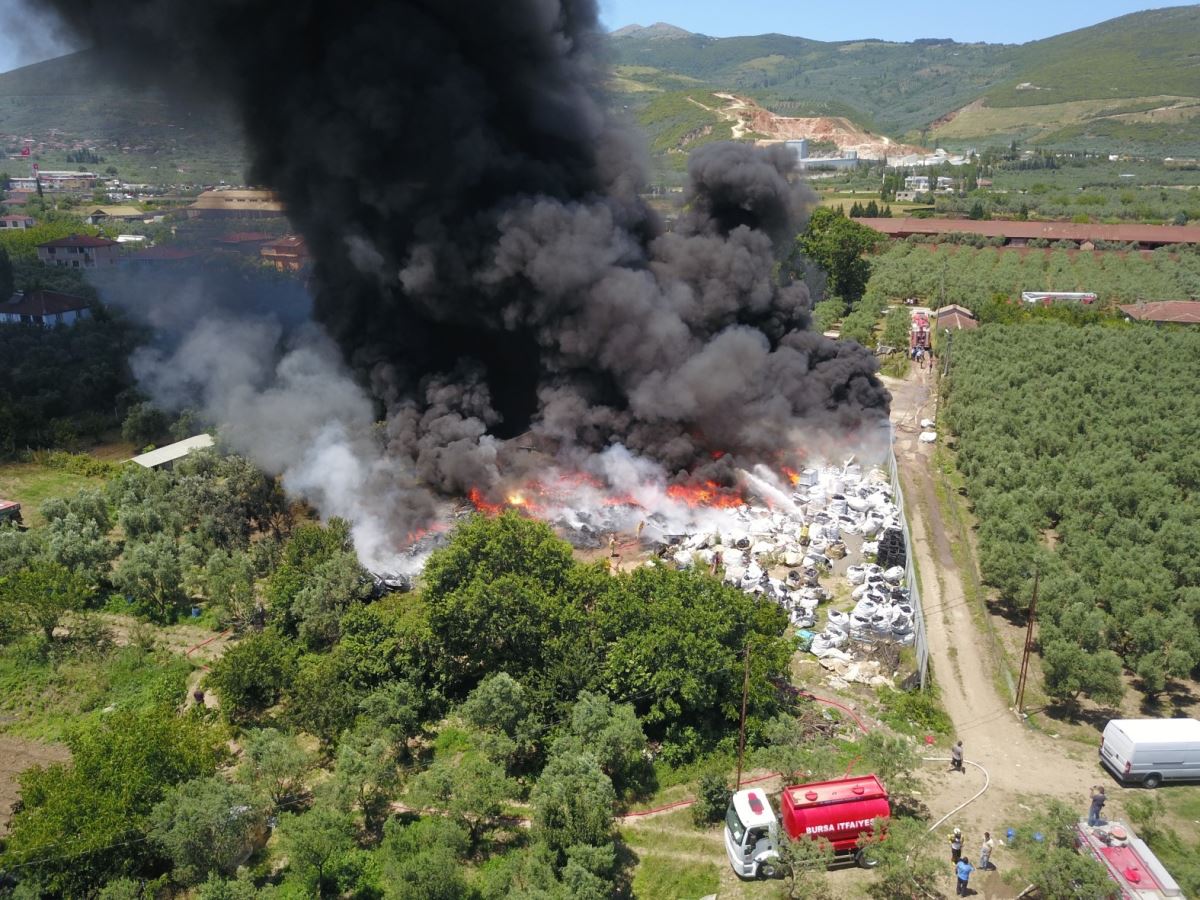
x: 79, y: 251
x: 1164, y: 312
x: 46, y: 308
x: 18, y: 222
x: 955, y: 318
x: 1017, y: 234
x: 288, y: 254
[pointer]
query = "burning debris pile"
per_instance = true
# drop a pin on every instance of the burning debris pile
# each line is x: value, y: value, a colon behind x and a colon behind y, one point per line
x: 486, y: 271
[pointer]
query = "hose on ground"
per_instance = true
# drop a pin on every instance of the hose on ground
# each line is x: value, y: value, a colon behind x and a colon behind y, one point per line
x: 987, y: 780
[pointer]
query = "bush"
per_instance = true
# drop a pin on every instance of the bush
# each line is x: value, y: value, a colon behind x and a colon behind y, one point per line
x: 914, y: 712
x: 252, y: 675
x: 712, y: 799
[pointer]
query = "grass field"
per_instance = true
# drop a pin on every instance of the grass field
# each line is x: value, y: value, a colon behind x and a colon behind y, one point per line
x: 41, y: 698
x: 31, y: 484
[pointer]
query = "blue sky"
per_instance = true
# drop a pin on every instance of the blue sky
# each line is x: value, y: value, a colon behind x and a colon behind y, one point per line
x: 1011, y: 22
x: 25, y: 39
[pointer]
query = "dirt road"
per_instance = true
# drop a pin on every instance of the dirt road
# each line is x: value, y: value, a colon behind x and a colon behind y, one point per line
x: 1022, y: 763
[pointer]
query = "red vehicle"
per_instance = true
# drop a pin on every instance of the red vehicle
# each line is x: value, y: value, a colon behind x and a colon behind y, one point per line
x: 841, y: 811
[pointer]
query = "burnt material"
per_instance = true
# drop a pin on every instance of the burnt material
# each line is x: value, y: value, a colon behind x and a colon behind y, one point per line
x: 891, y: 548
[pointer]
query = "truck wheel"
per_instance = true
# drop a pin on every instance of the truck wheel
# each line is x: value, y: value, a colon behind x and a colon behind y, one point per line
x: 1152, y: 780
x: 767, y: 870
x: 864, y: 860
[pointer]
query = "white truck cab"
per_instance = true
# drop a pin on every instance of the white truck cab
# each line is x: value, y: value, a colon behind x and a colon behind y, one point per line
x: 751, y: 835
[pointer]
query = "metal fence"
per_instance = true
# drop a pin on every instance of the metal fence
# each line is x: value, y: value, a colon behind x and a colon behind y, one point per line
x: 921, y: 638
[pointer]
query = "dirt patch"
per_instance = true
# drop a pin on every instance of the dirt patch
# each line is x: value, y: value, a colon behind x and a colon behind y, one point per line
x: 749, y: 118
x: 17, y: 755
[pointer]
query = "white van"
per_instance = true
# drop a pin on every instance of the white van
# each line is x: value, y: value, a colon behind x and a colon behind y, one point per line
x: 1151, y: 751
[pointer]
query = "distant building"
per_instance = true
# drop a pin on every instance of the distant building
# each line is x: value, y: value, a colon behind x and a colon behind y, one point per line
x: 19, y: 222
x: 918, y: 183
x: 79, y: 251
x: 48, y: 308
x: 54, y: 181
x: 165, y: 457
x: 955, y: 318
x: 906, y: 196
x: 1018, y: 234
x: 945, y: 183
x: 1049, y: 298
x: 287, y: 254
x: 1164, y: 312
x: 109, y: 213
x: 236, y: 204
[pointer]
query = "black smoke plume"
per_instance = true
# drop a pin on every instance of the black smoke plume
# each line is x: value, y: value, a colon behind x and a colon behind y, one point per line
x: 483, y: 258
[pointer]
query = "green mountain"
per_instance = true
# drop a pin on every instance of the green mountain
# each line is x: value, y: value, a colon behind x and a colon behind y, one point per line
x: 1131, y: 84
x: 69, y: 103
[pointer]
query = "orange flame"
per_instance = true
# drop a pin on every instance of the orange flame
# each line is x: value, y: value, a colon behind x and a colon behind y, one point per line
x: 792, y: 475
x: 708, y: 494
x: 481, y: 503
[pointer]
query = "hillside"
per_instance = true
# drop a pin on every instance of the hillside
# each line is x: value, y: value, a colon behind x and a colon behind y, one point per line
x: 69, y: 103
x: 1131, y: 84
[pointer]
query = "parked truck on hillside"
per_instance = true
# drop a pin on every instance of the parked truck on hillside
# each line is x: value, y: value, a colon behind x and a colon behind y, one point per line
x: 843, y: 812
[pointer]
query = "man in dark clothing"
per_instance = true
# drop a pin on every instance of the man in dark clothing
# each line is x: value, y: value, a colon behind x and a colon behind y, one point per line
x: 956, y: 757
x: 1098, y: 801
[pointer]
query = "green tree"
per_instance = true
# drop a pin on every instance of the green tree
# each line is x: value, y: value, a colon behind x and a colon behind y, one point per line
x: 150, y: 575
x: 274, y: 763
x: 423, y: 860
x: 896, y: 328
x: 38, y: 597
x: 252, y: 675
x: 1058, y: 869
x: 99, y: 803
x: 612, y: 733
x: 144, y: 424
x: 573, y: 803
x: 837, y: 244
x: 330, y: 589
x: 229, y: 584
x: 471, y: 789
x: 365, y: 775
x: 218, y: 888
x: 205, y: 826
x: 6, y: 276
x: 79, y: 545
x: 320, y: 700
x: 712, y: 799
x: 803, y: 862
x: 313, y: 841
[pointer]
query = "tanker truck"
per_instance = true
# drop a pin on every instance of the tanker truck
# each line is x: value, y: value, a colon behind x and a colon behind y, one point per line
x: 840, y: 811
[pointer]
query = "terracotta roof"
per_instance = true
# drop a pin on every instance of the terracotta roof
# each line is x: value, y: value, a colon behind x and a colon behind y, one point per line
x: 256, y: 201
x: 80, y: 240
x: 954, y: 307
x: 118, y: 212
x: 16, y: 218
x: 45, y: 303
x: 1184, y: 312
x: 291, y: 245
x: 1051, y: 231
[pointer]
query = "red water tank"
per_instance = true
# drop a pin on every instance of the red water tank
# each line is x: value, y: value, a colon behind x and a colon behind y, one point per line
x: 839, y: 811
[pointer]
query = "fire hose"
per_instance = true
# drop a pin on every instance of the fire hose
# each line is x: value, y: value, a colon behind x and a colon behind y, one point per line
x: 987, y: 780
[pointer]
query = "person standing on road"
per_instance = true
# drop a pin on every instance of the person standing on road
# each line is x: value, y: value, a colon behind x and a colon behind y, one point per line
x: 1098, y: 801
x: 985, y: 852
x: 956, y: 757
x: 956, y: 842
x: 963, y: 870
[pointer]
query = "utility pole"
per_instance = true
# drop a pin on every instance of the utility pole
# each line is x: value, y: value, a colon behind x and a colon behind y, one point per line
x: 1028, y: 647
x: 742, y: 724
x: 946, y: 360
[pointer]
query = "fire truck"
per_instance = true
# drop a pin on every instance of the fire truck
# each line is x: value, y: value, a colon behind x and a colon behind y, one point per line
x: 842, y: 812
x: 10, y: 511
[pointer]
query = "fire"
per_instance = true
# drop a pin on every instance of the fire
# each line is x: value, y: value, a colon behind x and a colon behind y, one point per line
x: 792, y: 475
x: 708, y: 494
x: 481, y: 503
x: 516, y: 498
